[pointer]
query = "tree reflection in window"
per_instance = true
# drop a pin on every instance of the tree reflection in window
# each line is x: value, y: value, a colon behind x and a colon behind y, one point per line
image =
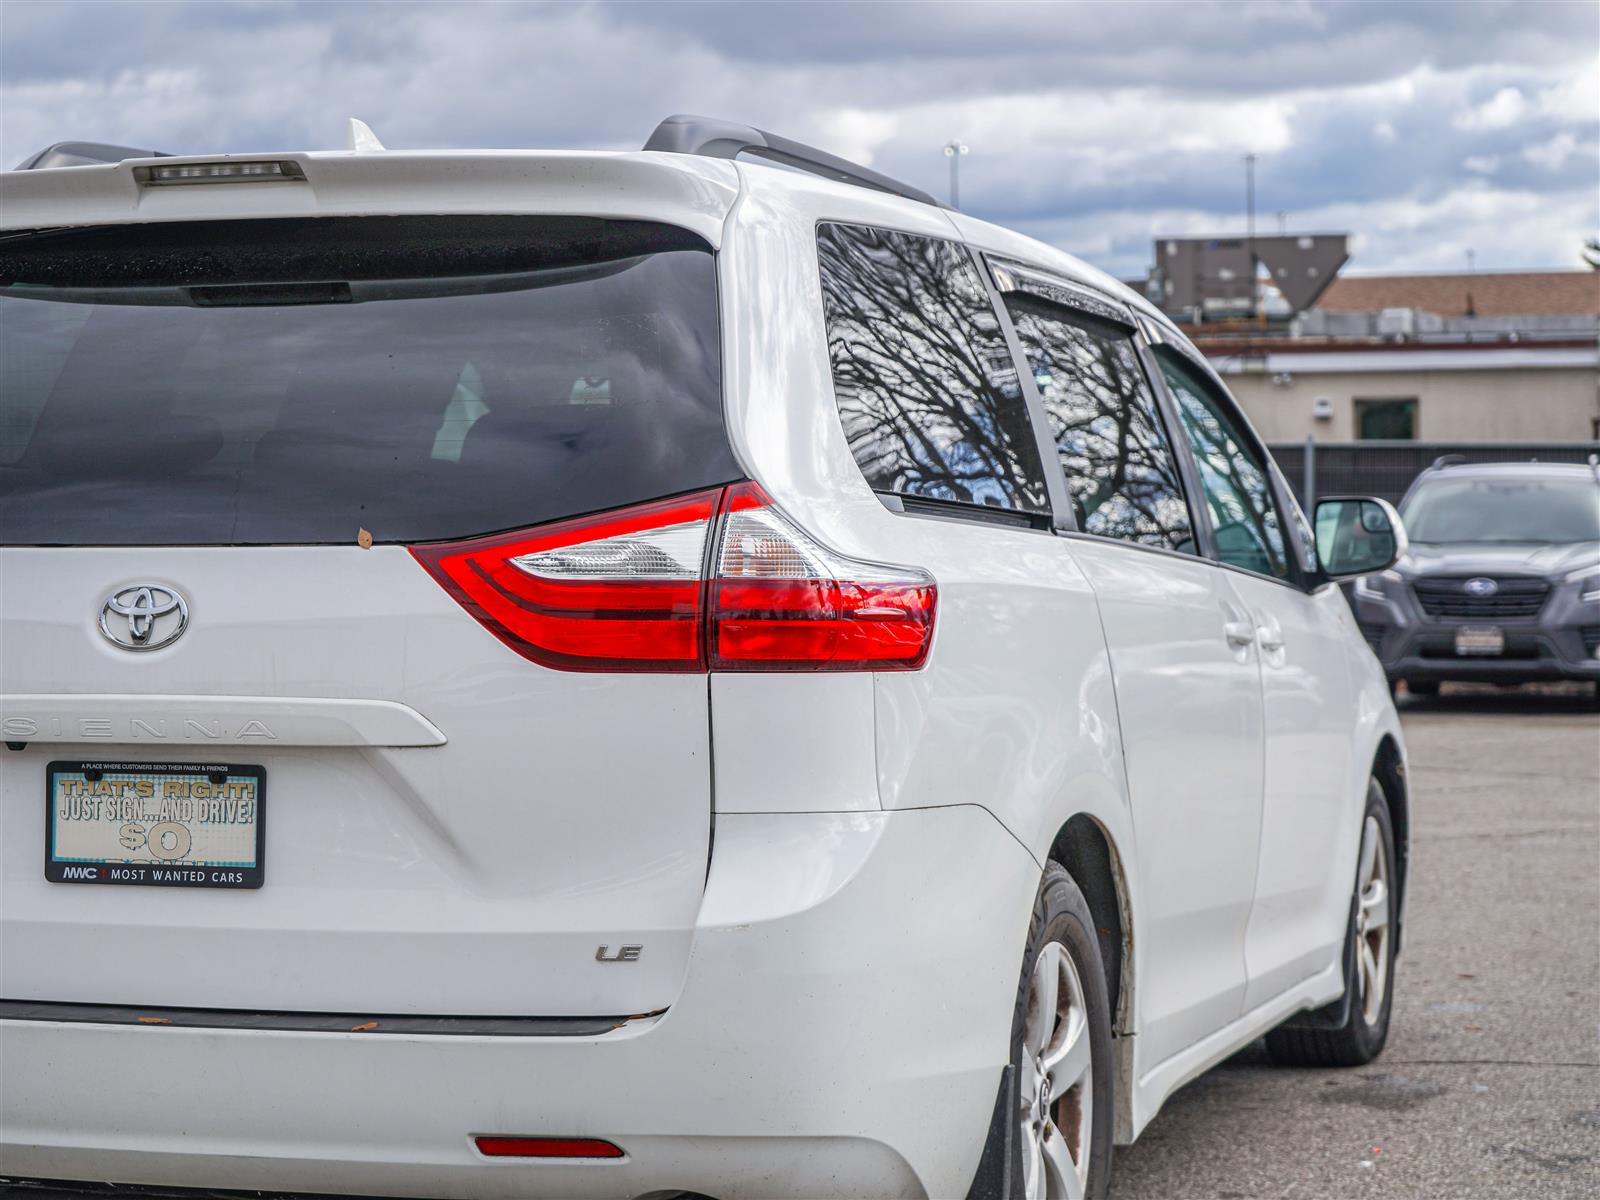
x: 925, y: 384
x: 1119, y: 464
x: 1248, y: 531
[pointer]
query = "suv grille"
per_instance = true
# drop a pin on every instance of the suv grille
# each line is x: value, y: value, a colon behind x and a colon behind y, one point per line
x: 1591, y: 640
x: 1513, y: 597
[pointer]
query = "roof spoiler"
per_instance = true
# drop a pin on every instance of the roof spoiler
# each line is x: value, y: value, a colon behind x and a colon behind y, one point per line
x: 83, y: 154
x: 711, y: 137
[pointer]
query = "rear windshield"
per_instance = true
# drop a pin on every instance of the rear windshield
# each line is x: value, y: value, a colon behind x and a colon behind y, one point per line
x: 1504, y: 510
x: 297, y: 381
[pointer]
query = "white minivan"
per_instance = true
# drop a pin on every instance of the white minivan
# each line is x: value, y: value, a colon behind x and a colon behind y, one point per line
x: 625, y: 674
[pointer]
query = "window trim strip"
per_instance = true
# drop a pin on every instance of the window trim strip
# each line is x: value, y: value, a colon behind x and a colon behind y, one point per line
x: 1009, y: 275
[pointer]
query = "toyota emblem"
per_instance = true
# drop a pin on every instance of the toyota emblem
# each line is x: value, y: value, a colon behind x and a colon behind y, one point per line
x: 143, y: 617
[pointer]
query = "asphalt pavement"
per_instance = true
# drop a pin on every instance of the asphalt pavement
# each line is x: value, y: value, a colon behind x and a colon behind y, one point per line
x: 1490, y: 1084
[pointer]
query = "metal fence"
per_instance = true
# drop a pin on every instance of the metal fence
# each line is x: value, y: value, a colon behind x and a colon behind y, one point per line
x: 1387, y: 468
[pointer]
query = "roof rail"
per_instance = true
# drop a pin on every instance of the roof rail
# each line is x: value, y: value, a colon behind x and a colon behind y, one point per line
x: 83, y: 154
x: 1447, y: 460
x: 715, y: 138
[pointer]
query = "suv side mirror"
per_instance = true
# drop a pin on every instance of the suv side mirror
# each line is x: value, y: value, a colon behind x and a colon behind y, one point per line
x: 1358, y: 535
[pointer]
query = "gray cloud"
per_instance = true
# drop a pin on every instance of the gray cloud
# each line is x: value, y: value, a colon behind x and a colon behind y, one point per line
x: 1423, y: 127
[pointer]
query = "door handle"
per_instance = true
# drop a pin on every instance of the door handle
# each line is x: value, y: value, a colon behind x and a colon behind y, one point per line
x: 1238, y: 633
x: 1271, y: 639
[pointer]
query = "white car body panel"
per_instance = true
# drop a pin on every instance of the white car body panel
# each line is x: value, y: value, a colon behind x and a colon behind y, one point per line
x: 782, y: 1069
x: 397, y: 896
x: 1190, y: 711
x: 818, y: 864
x: 1312, y: 811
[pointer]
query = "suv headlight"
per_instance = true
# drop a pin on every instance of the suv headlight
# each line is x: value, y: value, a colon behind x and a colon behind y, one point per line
x: 1382, y: 586
x: 1589, y: 580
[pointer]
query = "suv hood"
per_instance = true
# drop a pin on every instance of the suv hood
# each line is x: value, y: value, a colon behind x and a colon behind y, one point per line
x: 1498, y: 558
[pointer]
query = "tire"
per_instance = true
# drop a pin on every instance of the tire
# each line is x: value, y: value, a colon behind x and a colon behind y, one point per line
x: 1063, y: 945
x: 1422, y: 687
x: 1370, y: 948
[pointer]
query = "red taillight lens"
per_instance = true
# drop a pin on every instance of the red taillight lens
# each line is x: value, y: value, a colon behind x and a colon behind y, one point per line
x: 628, y: 591
x: 546, y: 1147
x: 617, y: 592
x: 780, y: 601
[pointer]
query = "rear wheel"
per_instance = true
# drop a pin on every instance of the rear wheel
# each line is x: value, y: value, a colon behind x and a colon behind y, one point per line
x: 1360, y: 1038
x: 1051, y: 1134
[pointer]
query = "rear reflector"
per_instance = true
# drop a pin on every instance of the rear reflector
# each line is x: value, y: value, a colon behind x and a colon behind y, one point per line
x: 631, y: 591
x: 546, y: 1147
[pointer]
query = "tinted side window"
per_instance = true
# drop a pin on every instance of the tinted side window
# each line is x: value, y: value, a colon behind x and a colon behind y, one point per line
x: 1119, y: 464
x: 925, y: 383
x: 1249, y: 533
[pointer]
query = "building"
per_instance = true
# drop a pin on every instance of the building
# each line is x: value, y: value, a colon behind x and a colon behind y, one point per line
x: 1451, y: 357
x: 1217, y: 278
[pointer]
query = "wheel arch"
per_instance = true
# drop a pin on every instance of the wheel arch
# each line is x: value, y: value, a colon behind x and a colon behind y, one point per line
x: 1089, y: 853
x: 1389, y: 769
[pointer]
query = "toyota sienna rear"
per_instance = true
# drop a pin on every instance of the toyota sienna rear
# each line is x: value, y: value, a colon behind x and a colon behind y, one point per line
x: 621, y: 675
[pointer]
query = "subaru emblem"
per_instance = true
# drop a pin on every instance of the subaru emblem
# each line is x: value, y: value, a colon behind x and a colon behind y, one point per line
x: 1480, y: 588
x: 143, y: 617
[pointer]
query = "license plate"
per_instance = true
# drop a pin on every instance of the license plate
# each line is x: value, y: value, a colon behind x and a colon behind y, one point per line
x: 157, y: 824
x: 1480, y: 639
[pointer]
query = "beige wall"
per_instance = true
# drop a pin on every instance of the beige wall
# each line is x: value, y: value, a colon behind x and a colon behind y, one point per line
x: 1514, y: 404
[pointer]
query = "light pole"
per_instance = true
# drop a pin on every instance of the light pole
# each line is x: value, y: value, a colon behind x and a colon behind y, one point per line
x: 1250, y: 222
x: 953, y: 151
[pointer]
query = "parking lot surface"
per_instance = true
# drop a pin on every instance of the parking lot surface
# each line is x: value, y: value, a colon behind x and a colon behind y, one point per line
x: 1490, y: 1085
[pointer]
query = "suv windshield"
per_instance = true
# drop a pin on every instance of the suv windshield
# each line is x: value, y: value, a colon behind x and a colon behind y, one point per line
x: 297, y: 381
x: 1504, y: 510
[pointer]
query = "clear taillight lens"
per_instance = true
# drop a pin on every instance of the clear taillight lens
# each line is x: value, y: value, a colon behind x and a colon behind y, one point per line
x: 629, y: 591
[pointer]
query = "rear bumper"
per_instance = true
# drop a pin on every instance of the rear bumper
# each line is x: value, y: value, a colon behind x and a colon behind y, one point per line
x: 841, y: 1032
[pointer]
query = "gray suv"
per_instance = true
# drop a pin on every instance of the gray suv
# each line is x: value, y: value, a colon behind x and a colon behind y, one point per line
x: 1502, y: 581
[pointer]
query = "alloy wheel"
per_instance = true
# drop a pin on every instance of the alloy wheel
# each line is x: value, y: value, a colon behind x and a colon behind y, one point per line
x: 1057, y: 1081
x: 1372, y: 921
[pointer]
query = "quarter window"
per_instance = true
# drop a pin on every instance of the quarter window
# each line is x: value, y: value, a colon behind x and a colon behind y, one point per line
x: 927, y: 390
x: 1238, y: 494
x: 1119, y: 464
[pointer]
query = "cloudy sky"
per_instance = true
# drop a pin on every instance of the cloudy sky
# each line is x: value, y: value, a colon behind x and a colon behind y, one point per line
x: 1425, y: 128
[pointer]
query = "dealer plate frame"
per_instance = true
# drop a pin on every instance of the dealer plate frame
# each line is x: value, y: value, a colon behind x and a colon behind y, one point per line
x: 113, y: 872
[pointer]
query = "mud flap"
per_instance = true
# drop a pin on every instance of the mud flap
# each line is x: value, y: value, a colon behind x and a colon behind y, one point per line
x: 1335, y: 1014
x: 1002, y: 1140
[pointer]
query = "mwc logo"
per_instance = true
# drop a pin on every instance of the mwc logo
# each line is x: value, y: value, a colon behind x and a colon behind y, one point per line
x: 80, y: 872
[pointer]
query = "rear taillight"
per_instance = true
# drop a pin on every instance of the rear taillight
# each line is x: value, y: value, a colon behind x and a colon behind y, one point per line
x: 636, y: 591
x: 620, y: 592
x: 782, y: 602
